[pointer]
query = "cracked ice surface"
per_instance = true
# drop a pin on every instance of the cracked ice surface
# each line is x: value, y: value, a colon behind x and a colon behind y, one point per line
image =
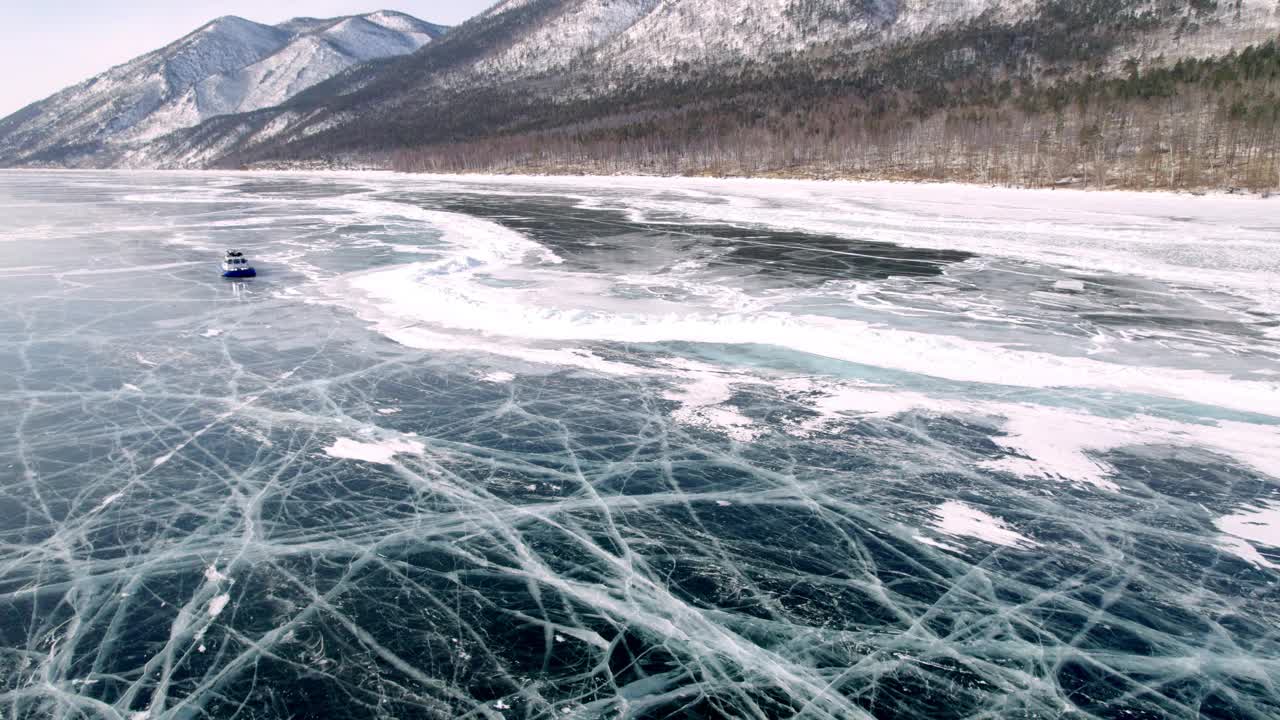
x: 633, y: 448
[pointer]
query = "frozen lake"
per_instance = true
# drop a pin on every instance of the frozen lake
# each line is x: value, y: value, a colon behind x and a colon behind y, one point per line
x: 646, y: 448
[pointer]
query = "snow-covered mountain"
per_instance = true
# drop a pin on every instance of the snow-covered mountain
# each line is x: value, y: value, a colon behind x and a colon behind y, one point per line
x: 603, y: 43
x: 586, y: 68
x: 230, y: 65
x: 625, y: 37
x: 649, y: 34
x: 580, y: 48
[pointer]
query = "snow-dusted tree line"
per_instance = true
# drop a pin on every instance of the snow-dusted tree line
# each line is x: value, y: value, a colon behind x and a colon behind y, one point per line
x: 1190, y: 124
x: 1117, y: 93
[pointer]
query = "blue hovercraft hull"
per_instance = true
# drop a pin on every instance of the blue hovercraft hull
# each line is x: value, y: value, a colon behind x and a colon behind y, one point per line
x: 245, y: 273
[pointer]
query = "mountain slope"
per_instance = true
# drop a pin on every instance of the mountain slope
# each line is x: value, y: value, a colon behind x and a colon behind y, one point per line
x: 118, y: 100
x: 1139, y: 93
x: 229, y: 65
x: 568, y: 48
x: 1144, y: 93
x: 680, y: 32
x: 309, y: 58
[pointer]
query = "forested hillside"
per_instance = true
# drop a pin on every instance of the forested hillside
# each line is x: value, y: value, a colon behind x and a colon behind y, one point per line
x: 1173, y: 94
x: 974, y: 104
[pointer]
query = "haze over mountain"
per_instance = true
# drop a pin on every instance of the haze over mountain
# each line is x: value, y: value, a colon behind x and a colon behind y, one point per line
x: 229, y: 65
x: 1168, y: 93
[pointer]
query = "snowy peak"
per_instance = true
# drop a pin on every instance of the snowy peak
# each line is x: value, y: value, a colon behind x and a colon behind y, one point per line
x: 228, y: 65
x: 400, y: 22
x: 359, y: 38
x: 322, y: 50
x: 231, y: 28
x: 325, y: 49
x: 389, y: 19
x: 301, y: 25
x: 223, y: 45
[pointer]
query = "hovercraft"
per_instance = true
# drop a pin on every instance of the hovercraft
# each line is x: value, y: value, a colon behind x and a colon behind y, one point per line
x: 234, y: 265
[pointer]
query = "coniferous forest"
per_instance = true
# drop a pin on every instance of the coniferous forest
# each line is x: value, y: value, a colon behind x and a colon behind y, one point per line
x: 1051, y: 100
x: 1190, y: 124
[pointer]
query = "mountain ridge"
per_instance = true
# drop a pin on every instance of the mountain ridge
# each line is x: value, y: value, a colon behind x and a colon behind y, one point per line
x: 217, y: 68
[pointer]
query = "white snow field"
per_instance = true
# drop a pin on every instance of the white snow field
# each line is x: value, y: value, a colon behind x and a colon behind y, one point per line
x: 635, y: 447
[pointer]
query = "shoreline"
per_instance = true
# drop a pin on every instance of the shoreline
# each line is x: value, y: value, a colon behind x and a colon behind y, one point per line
x: 827, y: 182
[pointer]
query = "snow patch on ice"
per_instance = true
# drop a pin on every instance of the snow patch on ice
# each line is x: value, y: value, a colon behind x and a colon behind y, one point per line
x: 108, y: 500
x: 1057, y: 443
x: 218, y: 604
x: 1260, y: 526
x: 961, y: 520
x: 925, y: 540
x: 836, y: 401
x: 703, y: 400
x: 382, y: 453
x: 1057, y: 448
x: 1243, y: 550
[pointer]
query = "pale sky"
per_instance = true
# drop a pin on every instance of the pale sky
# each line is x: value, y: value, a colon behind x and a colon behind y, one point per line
x: 46, y: 45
